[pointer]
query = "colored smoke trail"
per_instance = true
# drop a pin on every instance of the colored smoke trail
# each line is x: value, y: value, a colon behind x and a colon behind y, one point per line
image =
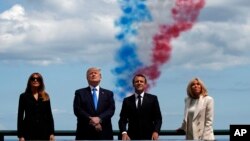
x: 134, y: 12
x: 184, y: 14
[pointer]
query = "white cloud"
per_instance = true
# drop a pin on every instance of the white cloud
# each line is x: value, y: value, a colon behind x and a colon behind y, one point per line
x: 66, y: 30
x: 213, y: 42
x: 16, y: 13
x: 65, y: 5
x: 227, y: 3
x: 213, y: 45
x: 54, y: 32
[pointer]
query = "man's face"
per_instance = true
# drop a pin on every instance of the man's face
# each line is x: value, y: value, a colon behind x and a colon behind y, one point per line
x: 94, y: 77
x: 139, y: 84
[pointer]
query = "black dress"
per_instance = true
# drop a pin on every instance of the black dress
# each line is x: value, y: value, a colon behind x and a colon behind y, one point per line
x: 35, y: 120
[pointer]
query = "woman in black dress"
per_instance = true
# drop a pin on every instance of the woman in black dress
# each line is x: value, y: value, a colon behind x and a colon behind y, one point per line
x: 35, y: 120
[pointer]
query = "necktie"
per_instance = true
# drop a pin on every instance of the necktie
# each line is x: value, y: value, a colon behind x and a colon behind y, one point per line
x: 139, y: 102
x: 94, y: 97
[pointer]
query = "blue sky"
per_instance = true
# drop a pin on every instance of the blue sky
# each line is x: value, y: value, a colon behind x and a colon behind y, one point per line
x: 61, y: 39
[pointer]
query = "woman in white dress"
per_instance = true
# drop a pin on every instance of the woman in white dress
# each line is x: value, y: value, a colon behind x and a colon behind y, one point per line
x: 199, y: 112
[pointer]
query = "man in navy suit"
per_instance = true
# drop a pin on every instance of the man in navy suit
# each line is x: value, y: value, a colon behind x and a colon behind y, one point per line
x: 94, y: 108
x: 141, y: 111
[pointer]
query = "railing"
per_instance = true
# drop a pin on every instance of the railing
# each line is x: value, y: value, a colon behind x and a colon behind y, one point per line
x: 4, y: 133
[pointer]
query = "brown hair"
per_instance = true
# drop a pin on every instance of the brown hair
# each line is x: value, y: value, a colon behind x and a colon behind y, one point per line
x: 139, y: 75
x: 189, y: 88
x: 41, y: 89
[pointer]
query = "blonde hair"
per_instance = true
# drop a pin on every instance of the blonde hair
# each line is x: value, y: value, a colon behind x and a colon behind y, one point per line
x: 93, y: 68
x: 190, y: 93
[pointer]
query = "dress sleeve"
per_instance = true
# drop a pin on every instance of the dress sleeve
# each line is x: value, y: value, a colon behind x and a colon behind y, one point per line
x: 20, y: 117
x: 51, y: 119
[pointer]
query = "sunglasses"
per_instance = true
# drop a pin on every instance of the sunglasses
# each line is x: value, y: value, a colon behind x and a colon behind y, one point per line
x: 35, y: 79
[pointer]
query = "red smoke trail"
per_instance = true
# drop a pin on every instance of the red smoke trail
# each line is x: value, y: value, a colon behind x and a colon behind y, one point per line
x: 184, y: 13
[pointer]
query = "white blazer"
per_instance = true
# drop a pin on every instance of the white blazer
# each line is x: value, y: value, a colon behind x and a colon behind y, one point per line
x: 202, y: 120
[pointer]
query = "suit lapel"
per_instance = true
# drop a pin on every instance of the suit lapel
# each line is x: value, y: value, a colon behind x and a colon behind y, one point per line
x: 133, y: 102
x: 199, y: 106
x: 90, y: 97
x: 144, y: 100
x: 188, y: 100
x: 101, y: 97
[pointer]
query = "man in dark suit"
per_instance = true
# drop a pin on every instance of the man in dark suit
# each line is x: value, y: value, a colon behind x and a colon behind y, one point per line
x: 141, y: 111
x: 94, y: 108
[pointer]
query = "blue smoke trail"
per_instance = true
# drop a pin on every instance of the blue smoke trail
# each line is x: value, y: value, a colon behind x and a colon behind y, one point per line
x: 133, y: 12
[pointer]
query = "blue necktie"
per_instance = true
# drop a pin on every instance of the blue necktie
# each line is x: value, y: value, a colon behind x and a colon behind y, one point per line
x: 95, y: 97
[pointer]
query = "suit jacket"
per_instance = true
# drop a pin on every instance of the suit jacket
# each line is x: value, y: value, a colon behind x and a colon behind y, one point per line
x: 35, y: 120
x: 141, y: 123
x: 84, y: 108
x: 202, y: 120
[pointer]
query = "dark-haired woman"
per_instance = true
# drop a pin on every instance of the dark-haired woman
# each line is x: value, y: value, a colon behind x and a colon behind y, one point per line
x: 35, y: 120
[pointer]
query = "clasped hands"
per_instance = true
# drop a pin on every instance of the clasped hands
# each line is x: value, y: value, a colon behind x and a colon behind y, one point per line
x: 96, y: 122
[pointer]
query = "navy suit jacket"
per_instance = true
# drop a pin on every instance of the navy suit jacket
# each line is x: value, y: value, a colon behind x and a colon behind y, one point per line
x: 84, y: 108
x: 141, y: 123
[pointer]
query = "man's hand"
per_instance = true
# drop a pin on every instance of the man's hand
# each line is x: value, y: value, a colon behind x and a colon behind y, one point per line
x: 155, y: 136
x: 98, y: 127
x: 21, y: 139
x: 125, y: 136
x: 94, y: 121
x: 52, y: 137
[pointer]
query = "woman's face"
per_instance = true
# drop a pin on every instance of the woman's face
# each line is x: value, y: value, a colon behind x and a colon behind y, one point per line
x: 35, y: 81
x: 196, y: 88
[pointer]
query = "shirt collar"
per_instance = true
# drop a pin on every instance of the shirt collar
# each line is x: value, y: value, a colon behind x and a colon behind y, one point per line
x: 97, y: 87
x: 142, y: 95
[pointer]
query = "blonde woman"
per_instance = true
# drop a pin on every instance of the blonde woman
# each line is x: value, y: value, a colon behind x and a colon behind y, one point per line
x: 199, y: 112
